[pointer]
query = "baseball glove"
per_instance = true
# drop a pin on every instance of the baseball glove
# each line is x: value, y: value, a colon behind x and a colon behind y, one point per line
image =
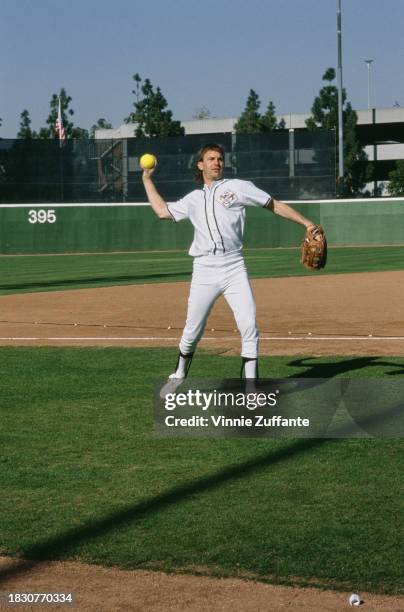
x: 314, y: 248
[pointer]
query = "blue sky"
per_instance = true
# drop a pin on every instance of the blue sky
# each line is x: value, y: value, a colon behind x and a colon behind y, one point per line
x: 207, y: 53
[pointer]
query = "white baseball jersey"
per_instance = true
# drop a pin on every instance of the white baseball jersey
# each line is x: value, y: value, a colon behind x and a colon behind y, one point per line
x: 218, y: 214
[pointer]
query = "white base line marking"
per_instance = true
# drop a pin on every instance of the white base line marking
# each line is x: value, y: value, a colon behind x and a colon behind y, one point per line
x: 158, y: 339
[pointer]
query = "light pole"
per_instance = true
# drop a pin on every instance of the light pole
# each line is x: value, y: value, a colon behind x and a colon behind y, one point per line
x: 369, y: 62
x: 340, y: 114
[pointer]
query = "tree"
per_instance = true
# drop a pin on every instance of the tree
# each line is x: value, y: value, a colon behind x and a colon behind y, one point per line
x: 249, y: 120
x: 325, y: 116
x: 202, y: 113
x: 325, y: 105
x: 102, y: 124
x: 252, y: 122
x: 70, y: 130
x: 268, y: 122
x: 151, y: 116
x: 25, y: 131
x: 396, y: 185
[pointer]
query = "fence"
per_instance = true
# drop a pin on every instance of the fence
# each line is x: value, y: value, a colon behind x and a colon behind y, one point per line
x: 287, y: 164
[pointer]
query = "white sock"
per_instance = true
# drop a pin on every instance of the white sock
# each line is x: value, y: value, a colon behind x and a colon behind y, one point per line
x: 250, y: 368
x: 182, y: 367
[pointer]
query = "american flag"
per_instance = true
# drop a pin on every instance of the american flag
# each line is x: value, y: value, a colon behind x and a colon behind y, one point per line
x: 60, y: 130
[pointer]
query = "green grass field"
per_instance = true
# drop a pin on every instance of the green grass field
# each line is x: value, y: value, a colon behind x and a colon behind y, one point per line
x: 83, y: 477
x: 50, y: 272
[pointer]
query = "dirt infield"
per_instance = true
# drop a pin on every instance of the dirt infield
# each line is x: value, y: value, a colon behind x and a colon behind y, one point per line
x: 346, y: 314
x: 97, y: 589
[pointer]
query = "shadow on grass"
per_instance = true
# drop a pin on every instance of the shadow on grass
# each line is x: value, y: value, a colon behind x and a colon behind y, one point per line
x: 336, y: 368
x: 137, y: 278
x: 61, y: 545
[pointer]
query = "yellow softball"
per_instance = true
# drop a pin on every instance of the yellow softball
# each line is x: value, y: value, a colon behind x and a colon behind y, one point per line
x: 147, y: 161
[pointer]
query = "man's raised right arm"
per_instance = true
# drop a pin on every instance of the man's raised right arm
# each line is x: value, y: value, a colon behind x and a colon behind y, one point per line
x: 156, y: 201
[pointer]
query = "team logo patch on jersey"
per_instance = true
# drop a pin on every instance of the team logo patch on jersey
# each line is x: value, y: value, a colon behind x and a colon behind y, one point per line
x: 227, y: 198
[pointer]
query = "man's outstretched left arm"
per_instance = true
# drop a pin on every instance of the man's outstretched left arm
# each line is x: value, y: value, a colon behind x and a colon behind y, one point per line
x: 287, y: 212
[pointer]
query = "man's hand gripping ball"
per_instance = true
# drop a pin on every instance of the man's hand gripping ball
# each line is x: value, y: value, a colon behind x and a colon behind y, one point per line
x: 147, y: 161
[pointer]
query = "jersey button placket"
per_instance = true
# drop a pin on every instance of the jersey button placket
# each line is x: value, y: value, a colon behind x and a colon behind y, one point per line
x: 217, y: 234
x: 211, y: 221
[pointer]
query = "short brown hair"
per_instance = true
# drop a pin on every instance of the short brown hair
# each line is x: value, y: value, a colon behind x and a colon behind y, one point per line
x: 199, y: 157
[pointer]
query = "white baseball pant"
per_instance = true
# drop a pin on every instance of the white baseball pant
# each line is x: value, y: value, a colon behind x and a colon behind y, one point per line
x: 214, y: 275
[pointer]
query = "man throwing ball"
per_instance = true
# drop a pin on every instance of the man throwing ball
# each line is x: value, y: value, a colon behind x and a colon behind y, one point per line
x: 217, y: 213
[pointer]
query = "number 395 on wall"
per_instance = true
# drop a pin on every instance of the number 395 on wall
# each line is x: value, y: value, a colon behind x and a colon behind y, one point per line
x: 42, y: 216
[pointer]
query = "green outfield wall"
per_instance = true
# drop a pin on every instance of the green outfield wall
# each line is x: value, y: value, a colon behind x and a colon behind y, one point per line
x: 75, y: 228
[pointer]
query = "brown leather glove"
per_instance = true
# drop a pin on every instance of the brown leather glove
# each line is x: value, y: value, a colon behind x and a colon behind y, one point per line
x: 314, y: 248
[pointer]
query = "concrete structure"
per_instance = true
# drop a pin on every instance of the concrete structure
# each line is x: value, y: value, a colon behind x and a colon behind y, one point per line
x: 378, y: 116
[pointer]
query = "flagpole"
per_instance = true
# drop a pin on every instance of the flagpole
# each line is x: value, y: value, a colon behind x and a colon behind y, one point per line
x: 61, y: 173
x: 60, y: 129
